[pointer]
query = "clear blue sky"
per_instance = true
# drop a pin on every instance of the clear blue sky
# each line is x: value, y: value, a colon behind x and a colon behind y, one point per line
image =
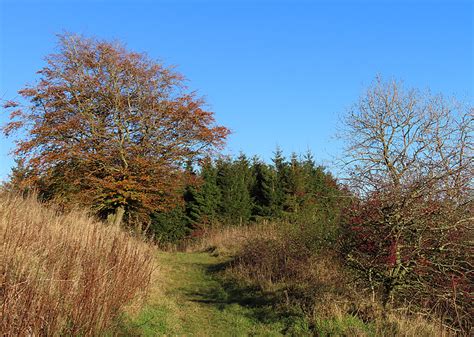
x: 275, y: 72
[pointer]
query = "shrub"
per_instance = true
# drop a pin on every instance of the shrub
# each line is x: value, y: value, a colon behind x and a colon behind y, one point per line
x: 310, y: 279
x: 64, y: 274
x: 420, y: 255
x: 305, y: 279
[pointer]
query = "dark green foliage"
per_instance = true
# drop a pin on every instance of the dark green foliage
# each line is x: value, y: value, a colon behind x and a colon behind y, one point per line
x: 237, y: 191
x: 295, y: 186
x: 263, y: 189
x: 279, y: 167
x: 234, y: 181
x: 170, y: 226
x: 202, y: 201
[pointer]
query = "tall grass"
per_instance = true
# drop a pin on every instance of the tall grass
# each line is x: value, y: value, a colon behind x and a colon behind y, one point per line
x: 64, y: 274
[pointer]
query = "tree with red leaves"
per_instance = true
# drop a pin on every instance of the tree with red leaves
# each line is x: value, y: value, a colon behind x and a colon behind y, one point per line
x: 110, y: 128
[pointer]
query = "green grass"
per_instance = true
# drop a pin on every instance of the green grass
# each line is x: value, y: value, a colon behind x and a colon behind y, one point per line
x: 191, y: 298
x: 343, y: 326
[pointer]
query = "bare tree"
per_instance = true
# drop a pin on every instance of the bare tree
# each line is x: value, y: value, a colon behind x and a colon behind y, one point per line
x: 410, y: 160
x: 401, y: 137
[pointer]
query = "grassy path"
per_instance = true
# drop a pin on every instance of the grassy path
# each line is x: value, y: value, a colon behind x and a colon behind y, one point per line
x: 188, y: 298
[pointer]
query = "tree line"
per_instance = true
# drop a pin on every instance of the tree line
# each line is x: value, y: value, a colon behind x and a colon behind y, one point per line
x: 235, y: 191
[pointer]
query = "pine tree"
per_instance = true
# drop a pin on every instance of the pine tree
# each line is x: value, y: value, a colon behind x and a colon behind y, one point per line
x: 295, y: 191
x: 280, y: 167
x: 170, y: 225
x: 263, y: 189
x: 234, y: 182
x: 203, y: 200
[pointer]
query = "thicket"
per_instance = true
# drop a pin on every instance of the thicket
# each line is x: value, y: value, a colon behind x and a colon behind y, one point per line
x: 314, y: 285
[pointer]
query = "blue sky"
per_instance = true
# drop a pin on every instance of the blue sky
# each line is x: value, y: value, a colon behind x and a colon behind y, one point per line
x: 275, y: 72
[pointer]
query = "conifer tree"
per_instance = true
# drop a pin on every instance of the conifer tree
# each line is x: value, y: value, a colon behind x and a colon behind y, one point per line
x: 263, y: 189
x: 204, y: 200
x: 169, y: 225
x: 279, y: 167
x: 295, y: 185
x: 234, y: 182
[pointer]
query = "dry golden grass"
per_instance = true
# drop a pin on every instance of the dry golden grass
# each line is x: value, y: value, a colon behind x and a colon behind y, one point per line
x: 230, y: 240
x: 413, y: 325
x: 64, y: 274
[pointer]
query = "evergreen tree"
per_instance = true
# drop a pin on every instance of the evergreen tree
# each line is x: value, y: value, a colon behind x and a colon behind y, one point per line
x: 263, y: 189
x: 203, y: 200
x: 308, y: 161
x: 234, y: 182
x: 295, y: 191
x: 280, y: 167
x: 235, y: 191
x: 170, y: 225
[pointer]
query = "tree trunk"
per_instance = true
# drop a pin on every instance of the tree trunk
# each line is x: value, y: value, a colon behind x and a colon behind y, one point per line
x: 116, y: 218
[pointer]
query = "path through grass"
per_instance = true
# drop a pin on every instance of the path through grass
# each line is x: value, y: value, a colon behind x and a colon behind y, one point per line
x: 190, y: 298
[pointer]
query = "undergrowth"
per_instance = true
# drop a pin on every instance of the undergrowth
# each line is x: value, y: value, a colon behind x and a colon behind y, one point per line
x: 307, y: 279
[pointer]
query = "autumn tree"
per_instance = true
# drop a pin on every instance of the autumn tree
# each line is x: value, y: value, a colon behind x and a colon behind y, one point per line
x: 110, y: 128
x: 410, y: 162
